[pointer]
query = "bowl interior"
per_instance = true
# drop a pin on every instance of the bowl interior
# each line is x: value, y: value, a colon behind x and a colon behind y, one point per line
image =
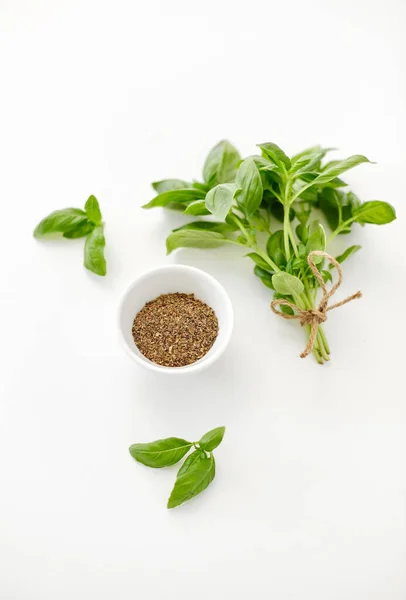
x: 171, y: 279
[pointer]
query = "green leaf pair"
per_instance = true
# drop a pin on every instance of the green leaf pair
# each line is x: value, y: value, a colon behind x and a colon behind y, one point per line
x: 247, y: 191
x: 217, y: 195
x: 75, y: 223
x: 175, y: 196
x: 196, y: 473
x: 214, y: 196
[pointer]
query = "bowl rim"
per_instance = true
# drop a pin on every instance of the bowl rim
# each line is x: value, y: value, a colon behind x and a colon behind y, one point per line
x: 202, y: 363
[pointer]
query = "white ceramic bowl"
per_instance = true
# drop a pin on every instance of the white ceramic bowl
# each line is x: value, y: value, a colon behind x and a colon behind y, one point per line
x: 171, y: 279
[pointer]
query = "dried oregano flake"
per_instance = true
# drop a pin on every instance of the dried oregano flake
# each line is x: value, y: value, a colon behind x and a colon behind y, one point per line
x: 175, y: 330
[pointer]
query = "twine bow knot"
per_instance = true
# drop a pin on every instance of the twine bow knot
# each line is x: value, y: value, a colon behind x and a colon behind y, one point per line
x: 315, y: 316
x: 308, y: 317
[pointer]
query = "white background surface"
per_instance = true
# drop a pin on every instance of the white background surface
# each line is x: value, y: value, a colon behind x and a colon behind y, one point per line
x: 309, y: 502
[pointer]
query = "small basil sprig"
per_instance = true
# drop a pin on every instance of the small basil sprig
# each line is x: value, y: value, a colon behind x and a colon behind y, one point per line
x: 75, y: 223
x: 195, y: 474
x: 196, y: 198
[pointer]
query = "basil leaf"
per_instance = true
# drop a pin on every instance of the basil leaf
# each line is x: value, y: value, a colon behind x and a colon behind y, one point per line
x: 168, y: 185
x: 249, y: 184
x: 210, y: 440
x: 60, y: 221
x: 352, y: 200
x: 80, y: 231
x: 303, y: 193
x: 297, y: 263
x: 303, y: 211
x: 197, y: 208
x: 275, y: 154
x: 302, y: 232
x: 286, y: 309
x: 336, y: 182
x: 330, y: 211
x: 176, y: 206
x: 287, y: 284
x: 193, y: 480
x: 260, y: 222
x: 309, y: 161
x: 329, y: 202
x: 263, y: 273
x: 282, y: 307
x: 201, y: 186
x: 336, y: 167
x: 220, y: 198
x: 376, y: 212
x: 92, y: 209
x: 327, y: 276
x: 161, y: 453
x: 267, y: 283
x: 346, y: 254
x: 94, y: 251
x: 185, y: 195
x: 190, y: 460
x: 221, y: 164
x: 317, y: 240
x: 258, y: 260
x: 224, y: 228
x: 275, y: 248
x: 264, y: 276
x: 306, y: 156
x: 270, y: 176
x: 262, y: 163
x: 190, y: 238
x: 302, y: 250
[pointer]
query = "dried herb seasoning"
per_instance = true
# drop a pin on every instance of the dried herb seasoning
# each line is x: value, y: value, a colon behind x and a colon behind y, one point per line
x: 175, y: 330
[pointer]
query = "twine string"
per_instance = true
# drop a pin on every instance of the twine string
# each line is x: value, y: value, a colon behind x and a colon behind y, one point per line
x: 315, y: 316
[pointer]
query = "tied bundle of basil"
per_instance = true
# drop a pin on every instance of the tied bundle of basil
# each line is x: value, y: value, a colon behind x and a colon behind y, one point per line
x: 195, y: 474
x: 74, y: 223
x: 250, y: 198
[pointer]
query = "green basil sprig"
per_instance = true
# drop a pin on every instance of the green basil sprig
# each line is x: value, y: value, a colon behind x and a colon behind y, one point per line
x: 195, y: 474
x: 75, y: 223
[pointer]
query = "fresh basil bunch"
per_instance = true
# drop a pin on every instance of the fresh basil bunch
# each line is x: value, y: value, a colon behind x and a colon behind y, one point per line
x: 75, y: 223
x: 253, y: 196
x: 195, y: 474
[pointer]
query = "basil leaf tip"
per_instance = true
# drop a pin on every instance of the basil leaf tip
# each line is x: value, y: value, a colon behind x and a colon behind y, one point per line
x: 94, y: 251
